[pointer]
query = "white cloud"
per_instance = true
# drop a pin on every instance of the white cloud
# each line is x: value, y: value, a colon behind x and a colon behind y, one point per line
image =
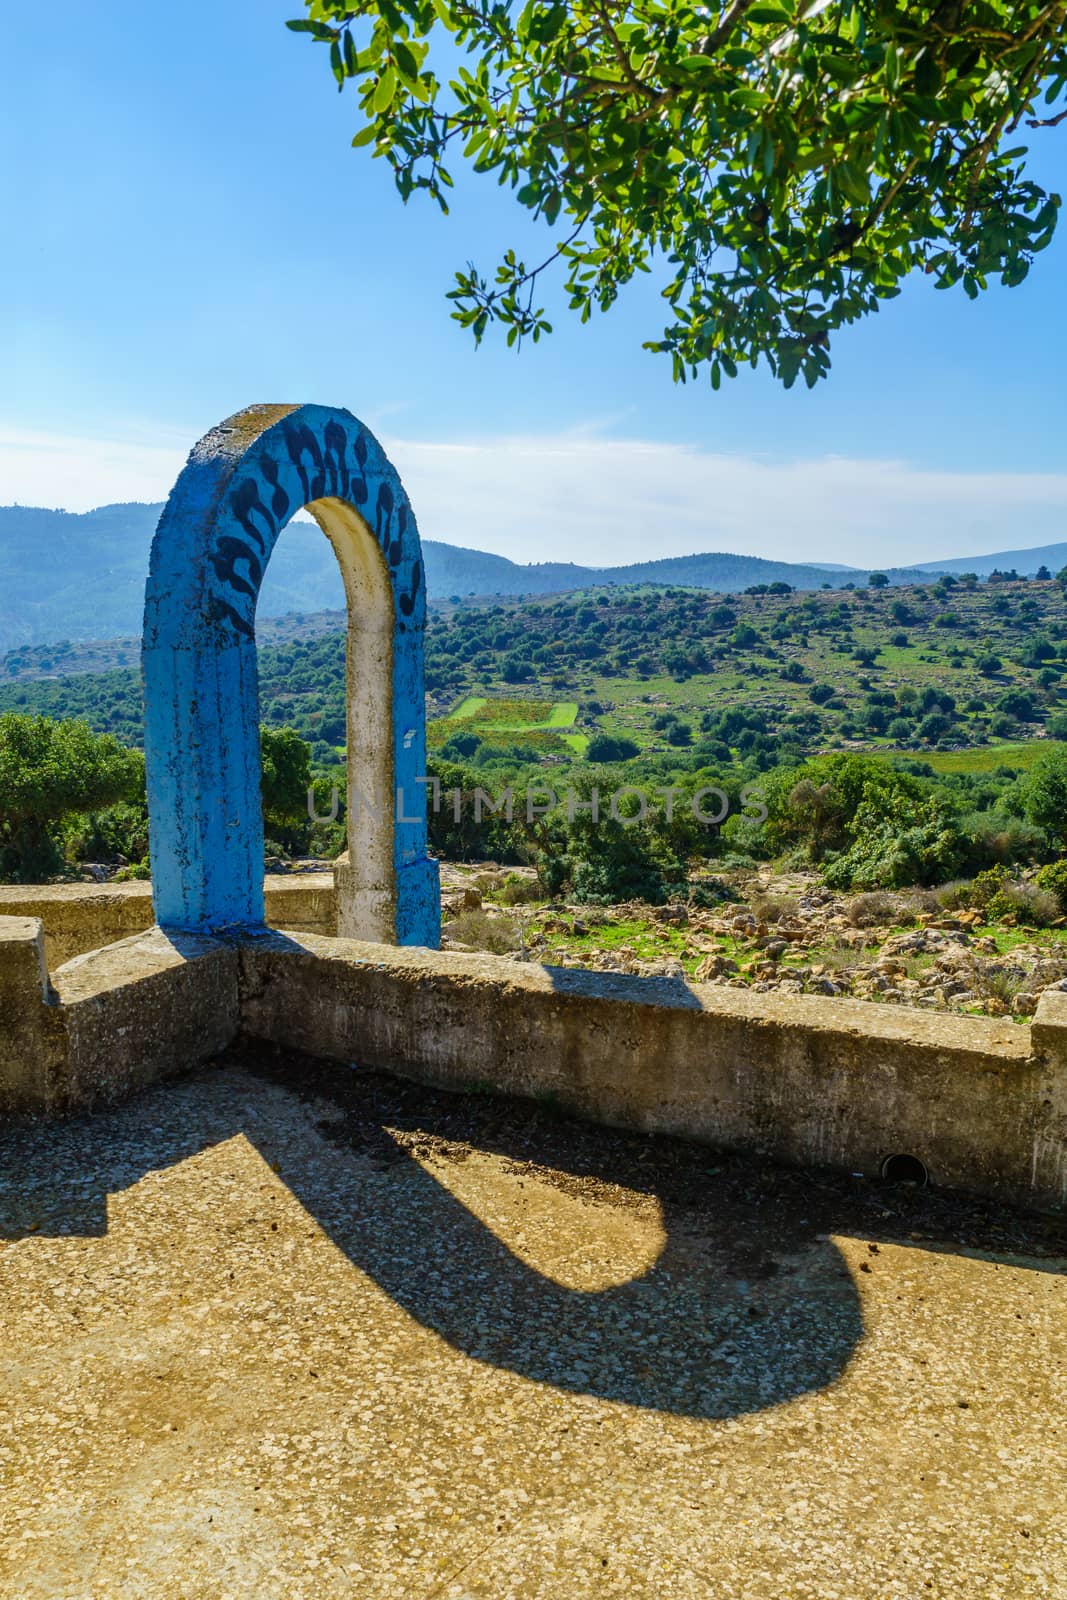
x: 596, y: 500
x: 76, y: 474
x: 605, y: 501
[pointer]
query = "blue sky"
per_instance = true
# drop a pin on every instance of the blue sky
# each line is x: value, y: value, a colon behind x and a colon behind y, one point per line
x: 188, y: 231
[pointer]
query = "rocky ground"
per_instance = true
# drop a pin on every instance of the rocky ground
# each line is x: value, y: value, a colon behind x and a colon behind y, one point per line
x: 787, y: 934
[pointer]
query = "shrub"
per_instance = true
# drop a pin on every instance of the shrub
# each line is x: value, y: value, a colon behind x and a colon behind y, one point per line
x: 917, y: 902
x: 875, y: 908
x: 1045, y: 793
x: 992, y: 838
x: 1027, y: 902
x: 987, y: 885
x: 49, y: 770
x: 521, y: 891
x: 897, y: 845
x: 956, y: 895
x: 1053, y: 879
x: 604, y: 747
x: 709, y: 892
x: 498, y: 935
x: 774, y: 907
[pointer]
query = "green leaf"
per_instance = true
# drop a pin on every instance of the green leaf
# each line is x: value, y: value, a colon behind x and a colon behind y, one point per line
x: 383, y: 94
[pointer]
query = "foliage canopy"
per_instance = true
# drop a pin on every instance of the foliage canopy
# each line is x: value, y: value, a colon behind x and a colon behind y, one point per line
x: 49, y: 770
x: 789, y: 161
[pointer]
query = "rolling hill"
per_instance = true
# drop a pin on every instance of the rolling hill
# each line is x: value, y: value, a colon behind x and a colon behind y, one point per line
x: 78, y: 576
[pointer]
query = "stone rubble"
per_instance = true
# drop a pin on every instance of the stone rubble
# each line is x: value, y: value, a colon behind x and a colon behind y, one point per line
x: 794, y: 936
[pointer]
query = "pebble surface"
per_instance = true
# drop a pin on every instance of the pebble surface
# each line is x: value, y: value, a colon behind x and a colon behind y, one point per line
x: 243, y: 1354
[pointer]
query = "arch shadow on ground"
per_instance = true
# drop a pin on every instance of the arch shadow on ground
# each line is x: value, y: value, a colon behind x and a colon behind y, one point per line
x: 748, y: 1303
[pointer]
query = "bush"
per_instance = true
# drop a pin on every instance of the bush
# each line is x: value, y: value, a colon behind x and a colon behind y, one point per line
x: 1027, y: 902
x: 521, y: 891
x: 774, y: 907
x: 873, y: 909
x: 992, y: 838
x: 1053, y: 879
x: 709, y: 893
x: 49, y: 771
x: 987, y: 885
x: 604, y: 747
x: 1045, y: 792
x: 956, y: 895
x: 498, y: 935
x: 897, y: 840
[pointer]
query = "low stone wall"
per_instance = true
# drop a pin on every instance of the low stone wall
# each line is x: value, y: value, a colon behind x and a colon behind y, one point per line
x: 110, y: 1021
x: 79, y: 917
x: 982, y: 1103
x: 842, y: 1083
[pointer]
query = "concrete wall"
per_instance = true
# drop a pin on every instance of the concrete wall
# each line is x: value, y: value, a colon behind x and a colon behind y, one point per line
x: 78, y: 917
x: 32, y: 1045
x: 843, y: 1083
x: 982, y: 1103
x: 109, y: 1021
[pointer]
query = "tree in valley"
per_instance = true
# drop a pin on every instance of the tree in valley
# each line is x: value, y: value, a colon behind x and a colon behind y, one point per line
x: 50, y: 771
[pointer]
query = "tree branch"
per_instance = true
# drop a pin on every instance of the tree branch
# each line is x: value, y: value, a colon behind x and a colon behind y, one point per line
x: 1046, y: 122
x: 727, y: 23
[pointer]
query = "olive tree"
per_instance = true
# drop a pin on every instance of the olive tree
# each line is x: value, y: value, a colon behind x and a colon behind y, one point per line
x: 782, y: 165
x: 49, y: 771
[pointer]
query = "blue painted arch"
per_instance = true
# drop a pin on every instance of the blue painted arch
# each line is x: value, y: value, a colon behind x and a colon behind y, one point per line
x: 243, y: 482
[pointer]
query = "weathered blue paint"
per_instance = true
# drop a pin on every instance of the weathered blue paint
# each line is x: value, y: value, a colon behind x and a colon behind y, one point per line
x: 243, y: 483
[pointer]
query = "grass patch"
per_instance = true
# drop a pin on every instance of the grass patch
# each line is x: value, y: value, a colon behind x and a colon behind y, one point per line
x: 467, y: 707
x: 533, y: 724
x: 1021, y: 753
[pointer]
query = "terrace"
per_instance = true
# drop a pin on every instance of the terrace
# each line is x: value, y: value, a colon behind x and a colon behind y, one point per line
x: 281, y: 1329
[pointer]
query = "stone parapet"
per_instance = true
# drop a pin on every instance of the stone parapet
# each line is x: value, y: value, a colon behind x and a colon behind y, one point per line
x: 981, y: 1104
x: 79, y: 917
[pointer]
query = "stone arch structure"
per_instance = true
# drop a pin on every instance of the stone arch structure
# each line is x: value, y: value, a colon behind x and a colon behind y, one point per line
x: 242, y: 484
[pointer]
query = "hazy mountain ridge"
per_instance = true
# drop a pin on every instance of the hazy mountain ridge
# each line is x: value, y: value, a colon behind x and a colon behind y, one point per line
x: 78, y: 576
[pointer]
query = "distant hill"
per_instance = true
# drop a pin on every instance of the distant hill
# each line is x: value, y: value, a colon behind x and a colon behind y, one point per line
x: 65, y: 575
x: 1025, y: 562
x: 453, y: 570
x: 80, y: 576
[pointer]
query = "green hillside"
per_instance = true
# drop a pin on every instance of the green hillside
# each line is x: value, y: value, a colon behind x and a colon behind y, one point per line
x: 934, y: 669
x: 78, y: 577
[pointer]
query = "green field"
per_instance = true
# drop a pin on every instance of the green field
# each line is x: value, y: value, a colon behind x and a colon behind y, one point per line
x: 467, y: 708
x: 486, y: 716
x: 535, y: 723
x: 1020, y: 754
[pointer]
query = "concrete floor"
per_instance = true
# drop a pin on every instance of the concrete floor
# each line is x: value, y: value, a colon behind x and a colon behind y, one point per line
x: 367, y: 1340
